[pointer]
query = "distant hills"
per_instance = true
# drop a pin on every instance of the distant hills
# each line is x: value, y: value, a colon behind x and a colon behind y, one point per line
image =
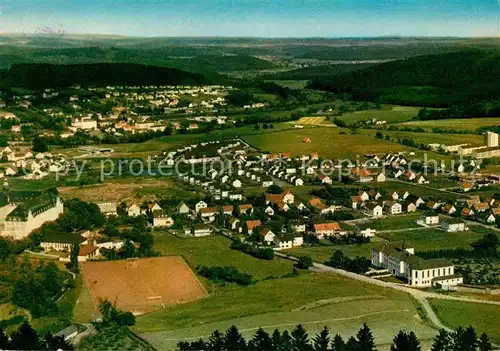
x: 39, y: 76
x: 433, y: 80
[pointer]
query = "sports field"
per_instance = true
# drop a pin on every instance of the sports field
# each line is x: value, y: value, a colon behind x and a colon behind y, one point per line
x: 485, y: 318
x: 313, y: 300
x: 141, y: 285
x: 467, y: 124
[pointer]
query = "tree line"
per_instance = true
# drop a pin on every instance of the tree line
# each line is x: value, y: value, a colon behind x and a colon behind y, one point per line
x: 225, y: 274
x: 27, y: 338
x: 462, y: 339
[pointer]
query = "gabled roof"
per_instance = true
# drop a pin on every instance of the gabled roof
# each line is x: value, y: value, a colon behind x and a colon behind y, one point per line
x: 35, y: 205
x: 253, y: 224
x: 327, y: 226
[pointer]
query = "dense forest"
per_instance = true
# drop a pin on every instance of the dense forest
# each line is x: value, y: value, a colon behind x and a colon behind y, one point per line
x: 435, y: 80
x: 40, y: 76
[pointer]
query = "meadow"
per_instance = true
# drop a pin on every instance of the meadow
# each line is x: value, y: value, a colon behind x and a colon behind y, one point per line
x: 465, y: 124
x: 484, y: 318
x: 327, y: 142
x: 425, y: 239
x: 389, y: 113
x: 313, y: 300
x: 215, y: 251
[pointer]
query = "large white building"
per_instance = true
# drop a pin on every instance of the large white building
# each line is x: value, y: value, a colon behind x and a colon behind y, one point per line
x: 491, y: 139
x: 418, y: 272
x: 23, y: 212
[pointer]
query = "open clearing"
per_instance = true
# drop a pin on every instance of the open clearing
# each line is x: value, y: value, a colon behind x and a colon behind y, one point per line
x: 424, y: 239
x: 276, y: 304
x: 215, y: 251
x: 311, y: 120
x: 485, y: 318
x: 328, y: 142
x: 130, y: 189
x: 388, y: 113
x: 141, y: 285
x: 467, y: 124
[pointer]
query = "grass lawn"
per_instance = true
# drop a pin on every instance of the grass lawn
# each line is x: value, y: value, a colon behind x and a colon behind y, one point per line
x: 485, y: 318
x: 441, y: 138
x: 432, y: 239
x: 468, y: 124
x: 328, y: 142
x: 83, y: 311
x: 215, y: 251
x: 421, y: 240
x: 388, y: 113
x: 426, y: 192
x: 395, y: 222
x: 277, y: 304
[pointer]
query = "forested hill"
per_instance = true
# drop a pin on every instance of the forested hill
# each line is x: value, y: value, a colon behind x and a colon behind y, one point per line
x: 39, y: 76
x: 434, y: 80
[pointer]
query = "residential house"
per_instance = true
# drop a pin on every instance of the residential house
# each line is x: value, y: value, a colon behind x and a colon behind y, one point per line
x: 429, y: 219
x: 373, y: 209
x: 364, y: 229
x: 88, y: 252
x: 161, y: 219
x: 108, y: 208
x: 320, y: 206
x: 486, y: 217
x: 200, y: 205
x: 227, y: 210
x: 233, y: 223
x: 409, y: 207
x: 134, y: 210
x: 246, y: 209
x: 252, y: 224
x: 208, y: 213
x: 183, y: 208
x: 269, y: 211
x: 267, y: 236
x: 288, y: 241
x: 481, y: 207
x: 453, y: 225
x: 200, y: 230
x: 449, y: 209
x: 393, y: 207
x: 323, y: 230
x: 325, y: 180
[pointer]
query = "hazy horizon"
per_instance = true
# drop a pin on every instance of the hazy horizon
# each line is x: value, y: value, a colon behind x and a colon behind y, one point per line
x: 255, y: 18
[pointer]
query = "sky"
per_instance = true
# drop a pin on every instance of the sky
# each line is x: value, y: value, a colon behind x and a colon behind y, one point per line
x: 255, y: 18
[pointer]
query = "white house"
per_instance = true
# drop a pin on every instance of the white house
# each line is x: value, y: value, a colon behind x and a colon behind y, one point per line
x: 201, y: 230
x: 393, y: 207
x: 200, y: 205
x: 134, y: 210
x: 373, y: 210
x: 288, y: 241
x: 429, y: 219
x: 267, y: 236
x: 453, y: 225
x: 183, y: 208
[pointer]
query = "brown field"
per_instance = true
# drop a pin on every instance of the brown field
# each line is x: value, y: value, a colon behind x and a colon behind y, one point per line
x: 130, y: 189
x: 311, y: 120
x: 142, y: 285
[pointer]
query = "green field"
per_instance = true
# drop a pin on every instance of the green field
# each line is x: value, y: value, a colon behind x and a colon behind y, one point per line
x: 395, y: 222
x: 277, y: 304
x: 467, y: 124
x: 485, y: 318
x: 327, y: 142
x: 215, y: 251
x: 441, y: 138
x: 425, y: 239
x: 389, y: 113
